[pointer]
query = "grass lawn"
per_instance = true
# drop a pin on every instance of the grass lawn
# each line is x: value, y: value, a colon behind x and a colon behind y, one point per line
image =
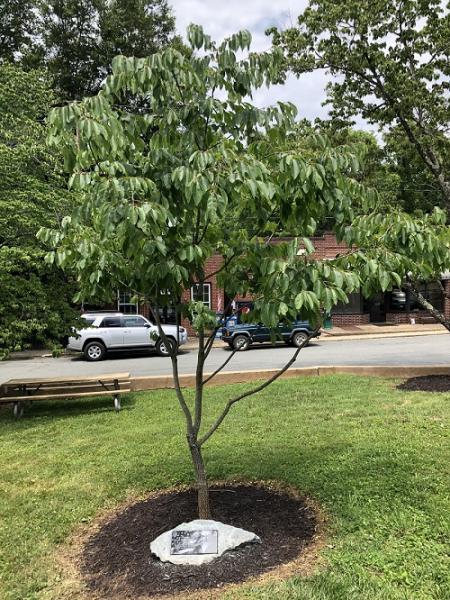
x: 376, y: 458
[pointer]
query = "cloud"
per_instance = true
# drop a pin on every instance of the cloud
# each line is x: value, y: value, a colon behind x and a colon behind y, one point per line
x: 222, y: 18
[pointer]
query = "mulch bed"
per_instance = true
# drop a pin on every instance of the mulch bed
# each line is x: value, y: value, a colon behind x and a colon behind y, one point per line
x: 116, y: 560
x: 428, y: 383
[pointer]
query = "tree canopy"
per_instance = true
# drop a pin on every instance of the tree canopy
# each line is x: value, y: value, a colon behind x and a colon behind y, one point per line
x: 391, y: 62
x: 35, y: 302
x: 76, y: 40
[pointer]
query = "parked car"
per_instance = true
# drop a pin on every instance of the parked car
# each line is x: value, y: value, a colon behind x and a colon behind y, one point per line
x: 240, y: 336
x: 105, y: 332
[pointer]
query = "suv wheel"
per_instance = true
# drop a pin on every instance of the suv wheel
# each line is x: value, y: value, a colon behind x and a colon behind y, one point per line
x: 299, y: 338
x: 94, y: 351
x: 241, y: 343
x: 162, y: 349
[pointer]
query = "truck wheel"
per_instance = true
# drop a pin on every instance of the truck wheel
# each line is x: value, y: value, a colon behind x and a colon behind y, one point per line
x: 241, y: 343
x: 94, y: 351
x: 298, y: 338
x: 161, y: 348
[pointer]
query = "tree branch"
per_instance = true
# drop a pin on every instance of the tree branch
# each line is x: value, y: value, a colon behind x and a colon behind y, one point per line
x: 222, y: 267
x: 176, y: 377
x: 255, y: 390
x: 199, y: 381
x: 223, y: 365
x: 436, y: 314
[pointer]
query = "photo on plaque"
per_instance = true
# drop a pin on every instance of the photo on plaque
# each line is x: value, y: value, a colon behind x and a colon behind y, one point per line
x: 200, y: 541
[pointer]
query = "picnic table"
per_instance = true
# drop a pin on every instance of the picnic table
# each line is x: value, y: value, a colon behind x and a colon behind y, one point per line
x: 18, y: 392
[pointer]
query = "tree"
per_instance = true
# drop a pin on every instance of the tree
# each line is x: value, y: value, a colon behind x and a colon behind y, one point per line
x: 134, y: 28
x: 81, y: 37
x: 378, y: 170
x: 411, y: 249
x: 35, y: 297
x: 76, y: 40
x: 200, y: 172
x: 17, y: 22
x: 417, y: 189
x: 70, y: 36
x: 391, y: 59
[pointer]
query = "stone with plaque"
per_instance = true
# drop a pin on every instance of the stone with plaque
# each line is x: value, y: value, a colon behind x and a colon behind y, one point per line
x: 196, y: 541
x: 199, y: 542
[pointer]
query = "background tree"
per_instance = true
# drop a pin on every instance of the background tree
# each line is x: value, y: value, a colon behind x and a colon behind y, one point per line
x: 200, y: 172
x: 413, y: 249
x: 417, y: 188
x: 70, y: 34
x: 17, y: 26
x: 378, y: 170
x: 391, y: 59
x: 76, y: 40
x: 35, y: 297
x: 79, y: 38
x: 134, y: 28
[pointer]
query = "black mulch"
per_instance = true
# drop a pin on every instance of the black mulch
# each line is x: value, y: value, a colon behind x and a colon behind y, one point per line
x: 429, y: 383
x: 117, y: 560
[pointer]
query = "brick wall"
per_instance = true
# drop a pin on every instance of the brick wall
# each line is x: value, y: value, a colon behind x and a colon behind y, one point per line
x: 326, y: 246
x: 446, y: 284
x: 354, y: 319
x: 419, y: 316
x: 217, y: 294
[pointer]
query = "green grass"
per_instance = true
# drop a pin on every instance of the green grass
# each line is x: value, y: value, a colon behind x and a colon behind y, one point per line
x: 376, y: 458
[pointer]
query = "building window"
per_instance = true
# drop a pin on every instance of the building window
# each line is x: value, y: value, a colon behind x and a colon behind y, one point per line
x: 125, y: 304
x: 201, y: 293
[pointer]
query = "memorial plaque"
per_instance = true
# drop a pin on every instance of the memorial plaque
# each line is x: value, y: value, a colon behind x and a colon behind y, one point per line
x: 196, y: 541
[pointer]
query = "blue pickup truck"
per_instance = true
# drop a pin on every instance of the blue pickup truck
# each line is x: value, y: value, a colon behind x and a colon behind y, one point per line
x: 240, y: 336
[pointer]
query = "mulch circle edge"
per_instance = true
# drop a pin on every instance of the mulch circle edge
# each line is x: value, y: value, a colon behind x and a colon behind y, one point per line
x: 438, y: 384
x: 69, y: 582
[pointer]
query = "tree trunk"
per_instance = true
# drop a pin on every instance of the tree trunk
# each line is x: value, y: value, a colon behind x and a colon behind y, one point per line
x: 440, y: 318
x: 202, y: 482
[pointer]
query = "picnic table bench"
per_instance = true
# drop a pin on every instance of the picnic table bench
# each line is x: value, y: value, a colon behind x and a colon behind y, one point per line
x: 20, y: 391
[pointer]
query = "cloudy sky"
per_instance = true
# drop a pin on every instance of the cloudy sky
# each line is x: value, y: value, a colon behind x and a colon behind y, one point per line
x: 220, y: 18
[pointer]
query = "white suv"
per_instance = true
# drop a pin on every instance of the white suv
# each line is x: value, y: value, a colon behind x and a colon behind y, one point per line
x: 116, y: 331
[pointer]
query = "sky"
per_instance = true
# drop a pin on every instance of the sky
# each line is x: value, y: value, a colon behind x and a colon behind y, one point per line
x: 220, y: 18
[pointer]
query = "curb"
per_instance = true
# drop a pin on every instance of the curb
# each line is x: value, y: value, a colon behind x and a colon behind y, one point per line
x: 375, y: 336
x: 157, y: 382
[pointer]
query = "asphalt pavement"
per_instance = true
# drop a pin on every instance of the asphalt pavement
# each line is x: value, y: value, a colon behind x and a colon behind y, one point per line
x: 407, y: 351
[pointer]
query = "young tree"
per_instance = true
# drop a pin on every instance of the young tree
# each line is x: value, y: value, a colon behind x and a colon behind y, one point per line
x: 391, y: 59
x: 200, y: 171
x: 35, y: 299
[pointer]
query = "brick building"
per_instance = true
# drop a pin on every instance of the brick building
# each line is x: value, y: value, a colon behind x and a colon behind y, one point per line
x: 384, y: 307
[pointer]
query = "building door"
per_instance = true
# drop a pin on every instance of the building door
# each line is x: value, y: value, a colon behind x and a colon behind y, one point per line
x: 377, y: 309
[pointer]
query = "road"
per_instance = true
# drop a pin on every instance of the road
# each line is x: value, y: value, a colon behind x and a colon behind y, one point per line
x: 420, y: 350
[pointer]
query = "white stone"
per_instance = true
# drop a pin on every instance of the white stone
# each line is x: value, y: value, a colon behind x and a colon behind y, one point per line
x: 228, y: 538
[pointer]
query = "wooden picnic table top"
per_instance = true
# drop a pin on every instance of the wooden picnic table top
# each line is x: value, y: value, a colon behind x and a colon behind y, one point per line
x: 102, y: 377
